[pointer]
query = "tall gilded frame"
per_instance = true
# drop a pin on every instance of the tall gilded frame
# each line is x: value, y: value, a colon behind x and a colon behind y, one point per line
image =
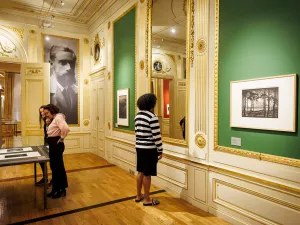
x: 189, y: 62
x: 113, y: 99
x: 78, y: 67
x: 236, y: 151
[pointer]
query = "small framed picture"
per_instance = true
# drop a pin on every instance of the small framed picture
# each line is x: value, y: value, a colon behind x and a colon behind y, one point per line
x: 123, y: 107
x: 266, y: 103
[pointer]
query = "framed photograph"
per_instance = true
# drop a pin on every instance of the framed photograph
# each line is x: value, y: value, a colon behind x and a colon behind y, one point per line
x: 123, y: 107
x: 266, y: 103
x: 63, y: 55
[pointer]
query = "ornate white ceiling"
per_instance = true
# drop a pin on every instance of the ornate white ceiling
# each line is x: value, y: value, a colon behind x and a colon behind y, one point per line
x: 79, y: 11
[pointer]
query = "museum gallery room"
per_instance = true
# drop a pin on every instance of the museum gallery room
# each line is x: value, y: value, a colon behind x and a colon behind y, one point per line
x: 149, y: 112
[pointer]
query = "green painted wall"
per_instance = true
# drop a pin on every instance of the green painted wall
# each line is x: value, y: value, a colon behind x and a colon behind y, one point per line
x: 124, y: 62
x: 258, y: 38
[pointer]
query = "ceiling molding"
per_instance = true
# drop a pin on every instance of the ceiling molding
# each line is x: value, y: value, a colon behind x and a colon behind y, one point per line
x: 78, y: 11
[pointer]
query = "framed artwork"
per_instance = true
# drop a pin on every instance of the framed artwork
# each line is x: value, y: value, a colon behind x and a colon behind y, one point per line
x: 157, y: 65
x: 63, y: 55
x: 96, y: 49
x: 123, y: 107
x: 265, y: 103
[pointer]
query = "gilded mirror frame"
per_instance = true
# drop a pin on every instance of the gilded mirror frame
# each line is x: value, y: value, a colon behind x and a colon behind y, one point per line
x: 189, y: 62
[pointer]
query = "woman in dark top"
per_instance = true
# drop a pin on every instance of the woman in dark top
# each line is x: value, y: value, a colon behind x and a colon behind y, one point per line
x: 42, y: 118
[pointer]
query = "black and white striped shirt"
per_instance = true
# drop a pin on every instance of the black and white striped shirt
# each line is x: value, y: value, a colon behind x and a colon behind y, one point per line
x: 147, y: 131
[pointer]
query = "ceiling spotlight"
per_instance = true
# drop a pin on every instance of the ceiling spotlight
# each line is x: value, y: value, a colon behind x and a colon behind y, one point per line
x: 62, y: 3
x: 47, y: 38
x: 173, y: 30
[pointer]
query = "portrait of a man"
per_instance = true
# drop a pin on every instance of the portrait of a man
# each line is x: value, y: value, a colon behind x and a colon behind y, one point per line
x: 61, y: 53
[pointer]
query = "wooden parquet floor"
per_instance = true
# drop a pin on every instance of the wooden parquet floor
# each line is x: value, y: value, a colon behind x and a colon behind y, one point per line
x: 98, y: 193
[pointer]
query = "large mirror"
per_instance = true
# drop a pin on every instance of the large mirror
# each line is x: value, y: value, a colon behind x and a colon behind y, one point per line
x: 168, y: 65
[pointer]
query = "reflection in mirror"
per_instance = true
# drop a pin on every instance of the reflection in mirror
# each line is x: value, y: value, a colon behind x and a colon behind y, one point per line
x: 168, y: 73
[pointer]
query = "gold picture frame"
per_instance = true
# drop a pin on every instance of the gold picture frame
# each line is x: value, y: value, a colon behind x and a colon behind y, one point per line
x: 236, y: 151
x: 190, y: 6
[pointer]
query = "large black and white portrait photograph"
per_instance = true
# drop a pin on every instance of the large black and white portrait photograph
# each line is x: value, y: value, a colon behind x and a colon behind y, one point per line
x: 267, y: 103
x: 261, y: 102
x: 62, y: 54
x: 123, y: 107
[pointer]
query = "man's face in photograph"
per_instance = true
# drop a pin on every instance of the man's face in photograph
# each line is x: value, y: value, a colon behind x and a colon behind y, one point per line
x: 64, y: 68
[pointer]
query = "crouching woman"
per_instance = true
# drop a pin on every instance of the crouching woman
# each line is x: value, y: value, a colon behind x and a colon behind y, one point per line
x: 57, y: 131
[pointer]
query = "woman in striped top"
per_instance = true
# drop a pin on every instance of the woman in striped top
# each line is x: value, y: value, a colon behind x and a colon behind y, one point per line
x: 148, y: 146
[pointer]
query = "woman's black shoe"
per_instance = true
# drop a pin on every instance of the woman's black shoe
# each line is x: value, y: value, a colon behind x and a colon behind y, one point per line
x: 59, y: 194
x: 51, y: 194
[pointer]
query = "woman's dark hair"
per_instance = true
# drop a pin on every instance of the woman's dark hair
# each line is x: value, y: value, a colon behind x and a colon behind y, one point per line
x: 52, y: 108
x: 146, y: 101
x: 41, y: 118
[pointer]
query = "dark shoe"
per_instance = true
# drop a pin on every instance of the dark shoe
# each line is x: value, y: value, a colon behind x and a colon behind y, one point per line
x: 59, y: 194
x: 51, y: 194
x: 40, y: 183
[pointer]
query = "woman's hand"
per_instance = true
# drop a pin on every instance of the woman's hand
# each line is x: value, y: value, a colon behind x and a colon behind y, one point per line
x: 60, y: 140
x: 160, y: 156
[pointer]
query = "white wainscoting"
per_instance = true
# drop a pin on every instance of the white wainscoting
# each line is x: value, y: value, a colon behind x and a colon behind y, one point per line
x: 252, y: 203
x: 237, y: 198
x: 78, y: 142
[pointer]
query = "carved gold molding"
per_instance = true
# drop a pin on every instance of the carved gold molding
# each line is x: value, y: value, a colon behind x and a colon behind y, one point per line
x: 142, y: 65
x: 108, y: 25
x: 200, y: 141
x: 32, y: 32
x: 86, y: 81
x: 108, y: 75
x: 281, y: 160
x: 142, y: 1
x: 192, y: 31
x: 201, y: 45
x: 108, y: 125
x: 179, y: 57
x: 235, y: 151
x: 34, y: 71
x: 86, y: 41
x: 17, y: 31
x: 86, y: 122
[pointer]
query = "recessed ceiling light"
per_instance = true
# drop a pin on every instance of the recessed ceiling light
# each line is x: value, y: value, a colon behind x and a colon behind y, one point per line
x: 173, y: 30
x: 62, y: 3
x: 47, y: 38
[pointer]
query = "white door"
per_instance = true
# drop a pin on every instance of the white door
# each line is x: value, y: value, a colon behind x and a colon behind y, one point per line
x: 101, y: 118
x: 35, y: 88
x: 98, y: 117
x: 94, y: 114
